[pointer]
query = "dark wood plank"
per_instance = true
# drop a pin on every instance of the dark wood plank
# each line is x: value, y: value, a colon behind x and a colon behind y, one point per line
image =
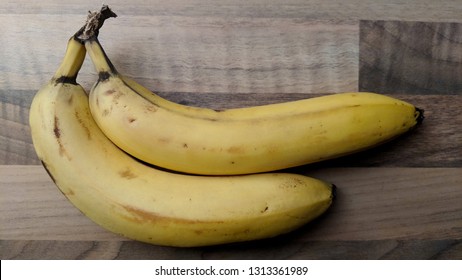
x: 16, y: 147
x: 410, y: 57
x: 272, y: 249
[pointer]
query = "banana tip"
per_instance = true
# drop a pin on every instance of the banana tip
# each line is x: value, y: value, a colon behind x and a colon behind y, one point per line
x: 419, y: 115
x: 333, y: 191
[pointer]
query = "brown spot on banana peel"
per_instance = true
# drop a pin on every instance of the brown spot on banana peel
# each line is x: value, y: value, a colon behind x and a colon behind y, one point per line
x: 164, y: 140
x: 69, y: 101
x: 57, y: 132
x: 151, y: 108
x: 291, y: 183
x: 127, y: 174
x: 116, y: 97
x: 56, y: 129
x: 83, y: 125
x: 236, y: 150
x: 141, y: 216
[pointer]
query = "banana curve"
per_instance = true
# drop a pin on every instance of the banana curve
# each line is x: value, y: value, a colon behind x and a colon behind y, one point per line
x: 145, y: 204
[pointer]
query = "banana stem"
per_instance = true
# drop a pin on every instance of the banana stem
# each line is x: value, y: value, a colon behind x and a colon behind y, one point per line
x: 75, y: 52
x: 89, y: 37
x: 72, y: 62
x: 100, y: 60
x: 94, y: 23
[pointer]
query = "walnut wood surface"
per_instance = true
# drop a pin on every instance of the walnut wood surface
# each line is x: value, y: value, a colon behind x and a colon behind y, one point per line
x: 373, y: 204
x: 411, y: 57
x: 271, y: 249
x: 401, y: 200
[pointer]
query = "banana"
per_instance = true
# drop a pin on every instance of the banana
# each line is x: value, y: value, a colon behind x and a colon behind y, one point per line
x: 242, y: 140
x: 142, y: 203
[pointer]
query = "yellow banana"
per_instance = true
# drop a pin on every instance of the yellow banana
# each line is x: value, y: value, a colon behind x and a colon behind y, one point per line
x: 243, y: 140
x: 137, y: 201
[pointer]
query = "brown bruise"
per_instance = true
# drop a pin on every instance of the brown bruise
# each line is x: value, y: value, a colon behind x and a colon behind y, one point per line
x: 143, y: 216
x: 127, y: 174
x: 291, y: 183
x: 164, y: 140
x: 264, y: 210
x: 82, y: 124
x: 56, y: 129
x: 57, y: 132
x: 69, y: 101
x: 109, y: 92
x: 236, y: 150
x: 151, y: 108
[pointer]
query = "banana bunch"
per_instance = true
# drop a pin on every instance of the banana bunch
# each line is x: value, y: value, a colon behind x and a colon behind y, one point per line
x: 98, y: 149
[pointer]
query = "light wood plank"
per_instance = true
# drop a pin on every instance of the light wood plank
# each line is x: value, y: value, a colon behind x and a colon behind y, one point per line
x: 415, y: 10
x: 211, y: 54
x: 372, y: 204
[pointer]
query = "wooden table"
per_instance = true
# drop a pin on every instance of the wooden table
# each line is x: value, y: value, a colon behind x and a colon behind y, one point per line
x: 402, y: 200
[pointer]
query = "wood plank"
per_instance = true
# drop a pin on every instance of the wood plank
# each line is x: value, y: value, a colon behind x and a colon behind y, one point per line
x: 210, y: 54
x: 410, y: 57
x: 372, y: 204
x: 426, y: 10
x: 271, y: 249
x: 16, y: 147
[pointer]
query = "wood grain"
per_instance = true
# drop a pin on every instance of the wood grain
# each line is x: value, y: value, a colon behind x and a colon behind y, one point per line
x: 271, y: 249
x: 398, y: 201
x: 411, y: 57
x: 370, y: 206
x: 279, y: 55
x: 415, y: 10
